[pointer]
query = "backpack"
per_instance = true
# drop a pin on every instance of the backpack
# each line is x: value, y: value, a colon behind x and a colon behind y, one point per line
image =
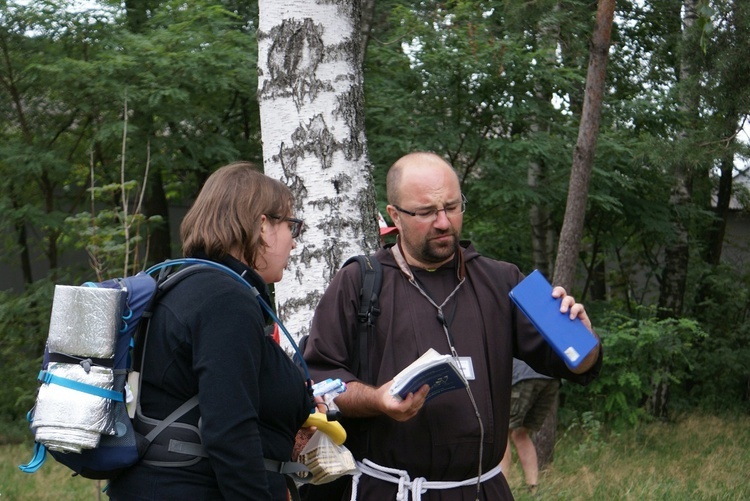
x: 118, y: 445
x: 369, y: 309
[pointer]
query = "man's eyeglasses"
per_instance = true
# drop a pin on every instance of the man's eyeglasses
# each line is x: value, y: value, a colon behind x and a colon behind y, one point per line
x: 295, y: 225
x: 431, y: 214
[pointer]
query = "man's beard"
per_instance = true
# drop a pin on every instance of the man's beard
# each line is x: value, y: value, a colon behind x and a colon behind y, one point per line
x: 432, y: 252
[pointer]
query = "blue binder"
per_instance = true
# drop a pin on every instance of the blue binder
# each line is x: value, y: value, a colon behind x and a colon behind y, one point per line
x: 570, y: 339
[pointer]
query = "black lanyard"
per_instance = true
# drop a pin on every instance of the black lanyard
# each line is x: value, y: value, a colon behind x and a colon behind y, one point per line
x: 406, y: 270
x: 445, y: 320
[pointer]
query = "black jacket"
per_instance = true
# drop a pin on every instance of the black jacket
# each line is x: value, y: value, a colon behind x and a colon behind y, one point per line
x: 207, y: 337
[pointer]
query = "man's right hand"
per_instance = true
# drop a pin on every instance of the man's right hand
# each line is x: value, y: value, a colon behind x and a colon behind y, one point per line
x: 402, y: 410
x: 361, y: 400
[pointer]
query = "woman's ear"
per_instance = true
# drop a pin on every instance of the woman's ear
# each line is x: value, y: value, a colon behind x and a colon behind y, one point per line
x: 263, y: 223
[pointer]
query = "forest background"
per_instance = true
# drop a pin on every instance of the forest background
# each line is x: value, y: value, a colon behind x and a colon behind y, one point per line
x: 111, y: 118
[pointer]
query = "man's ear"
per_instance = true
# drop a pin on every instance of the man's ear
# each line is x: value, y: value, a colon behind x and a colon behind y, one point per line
x: 394, y: 215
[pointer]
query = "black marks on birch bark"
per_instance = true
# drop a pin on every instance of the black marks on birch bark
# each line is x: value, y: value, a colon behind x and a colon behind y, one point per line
x: 296, y: 51
x: 354, y: 147
x: 287, y: 159
x: 316, y: 138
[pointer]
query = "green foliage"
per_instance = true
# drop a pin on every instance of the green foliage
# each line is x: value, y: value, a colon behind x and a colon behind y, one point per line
x: 706, y: 27
x: 720, y: 379
x: 640, y: 353
x: 464, y: 79
x: 185, y: 80
x: 493, y: 86
x: 105, y: 241
x: 190, y: 78
x: 112, y: 237
x: 24, y: 322
x: 589, y: 432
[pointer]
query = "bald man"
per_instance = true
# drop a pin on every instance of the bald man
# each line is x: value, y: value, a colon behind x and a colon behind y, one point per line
x: 438, y: 292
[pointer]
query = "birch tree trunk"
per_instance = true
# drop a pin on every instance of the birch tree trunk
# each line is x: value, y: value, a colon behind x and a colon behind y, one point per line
x: 312, y: 127
x: 542, y: 231
x: 677, y: 253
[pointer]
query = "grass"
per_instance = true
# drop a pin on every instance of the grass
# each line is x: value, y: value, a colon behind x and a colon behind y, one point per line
x: 696, y: 458
x: 52, y: 482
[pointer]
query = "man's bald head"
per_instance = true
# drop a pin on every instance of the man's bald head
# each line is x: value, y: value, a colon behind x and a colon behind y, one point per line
x: 426, y: 205
x: 412, y: 165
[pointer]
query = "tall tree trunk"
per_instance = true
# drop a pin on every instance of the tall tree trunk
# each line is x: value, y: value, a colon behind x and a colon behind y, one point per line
x: 545, y: 438
x: 676, y: 254
x: 48, y: 192
x: 368, y: 14
x: 730, y: 96
x: 715, y: 238
x: 598, y: 275
x: 583, y: 156
x: 542, y: 239
x: 542, y: 233
x: 22, y: 239
x: 156, y: 204
x: 575, y: 210
x: 312, y: 124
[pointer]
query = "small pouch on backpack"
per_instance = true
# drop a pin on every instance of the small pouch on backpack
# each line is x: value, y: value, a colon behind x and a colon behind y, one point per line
x: 326, y: 460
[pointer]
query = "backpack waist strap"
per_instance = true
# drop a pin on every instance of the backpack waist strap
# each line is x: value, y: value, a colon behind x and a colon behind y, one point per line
x: 180, y: 444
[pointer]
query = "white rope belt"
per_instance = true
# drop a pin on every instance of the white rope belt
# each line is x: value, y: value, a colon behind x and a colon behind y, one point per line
x: 417, y: 487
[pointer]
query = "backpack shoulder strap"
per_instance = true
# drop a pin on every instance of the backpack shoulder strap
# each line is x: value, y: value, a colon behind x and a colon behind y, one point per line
x: 369, y: 309
x: 164, y: 283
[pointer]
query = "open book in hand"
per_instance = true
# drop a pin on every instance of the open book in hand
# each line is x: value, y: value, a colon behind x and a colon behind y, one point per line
x: 441, y: 372
x: 570, y: 339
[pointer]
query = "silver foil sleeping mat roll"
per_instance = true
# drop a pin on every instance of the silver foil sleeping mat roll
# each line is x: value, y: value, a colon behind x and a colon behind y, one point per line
x: 70, y: 420
x: 85, y: 321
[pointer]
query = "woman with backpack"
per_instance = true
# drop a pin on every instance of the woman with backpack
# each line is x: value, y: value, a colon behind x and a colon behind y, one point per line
x: 207, y: 338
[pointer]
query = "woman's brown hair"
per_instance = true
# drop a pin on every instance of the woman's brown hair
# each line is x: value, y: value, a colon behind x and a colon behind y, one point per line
x: 225, y: 218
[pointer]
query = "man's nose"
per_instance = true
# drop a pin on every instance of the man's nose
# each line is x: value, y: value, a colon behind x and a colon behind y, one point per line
x: 441, y: 220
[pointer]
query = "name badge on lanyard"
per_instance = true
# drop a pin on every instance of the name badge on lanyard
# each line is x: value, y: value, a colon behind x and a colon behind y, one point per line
x: 467, y: 367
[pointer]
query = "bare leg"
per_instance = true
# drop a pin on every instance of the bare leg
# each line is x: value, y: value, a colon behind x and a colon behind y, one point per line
x: 526, y: 455
x: 505, y: 463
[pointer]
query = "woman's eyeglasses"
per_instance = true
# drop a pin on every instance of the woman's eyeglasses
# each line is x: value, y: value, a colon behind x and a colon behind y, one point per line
x: 295, y: 225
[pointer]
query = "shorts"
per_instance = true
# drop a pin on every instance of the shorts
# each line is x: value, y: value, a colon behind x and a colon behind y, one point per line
x: 530, y: 402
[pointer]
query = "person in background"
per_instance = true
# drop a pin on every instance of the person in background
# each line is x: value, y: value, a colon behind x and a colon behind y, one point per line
x: 207, y: 337
x: 437, y: 292
x: 532, y: 397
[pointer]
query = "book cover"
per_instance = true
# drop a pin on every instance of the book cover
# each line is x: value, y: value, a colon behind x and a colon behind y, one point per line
x: 438, y: 371
x: 570, y: 339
